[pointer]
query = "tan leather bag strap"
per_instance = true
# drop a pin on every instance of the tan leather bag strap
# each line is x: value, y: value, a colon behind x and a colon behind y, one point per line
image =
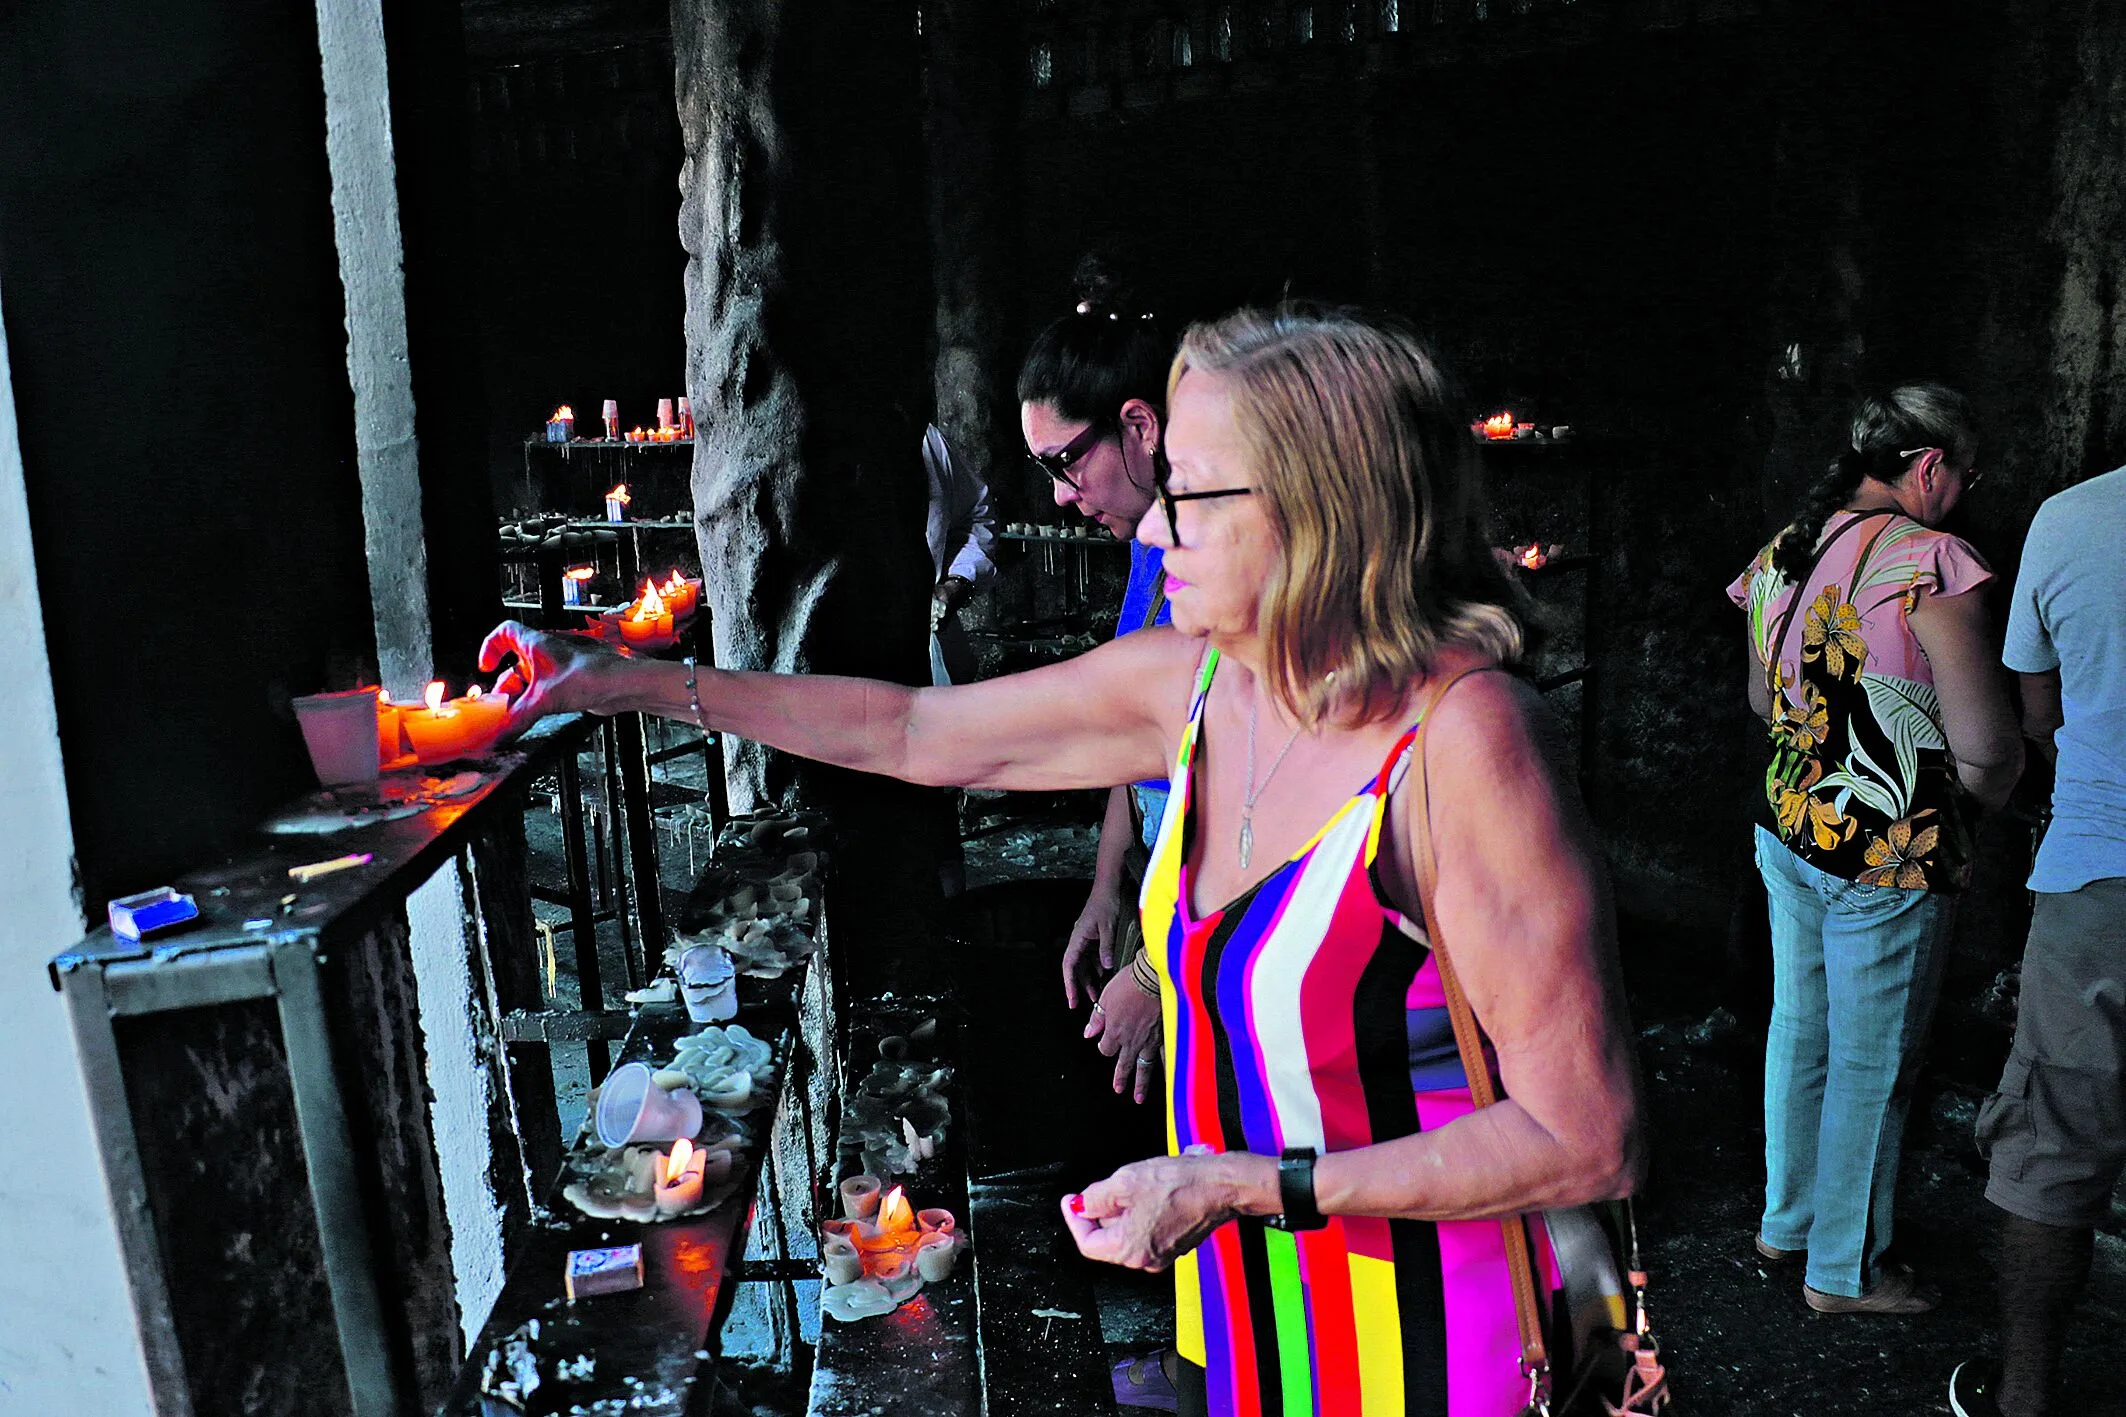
x: 1520, y: 1261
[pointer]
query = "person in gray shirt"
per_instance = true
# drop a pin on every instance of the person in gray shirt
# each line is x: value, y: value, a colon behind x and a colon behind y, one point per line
x: 2055, y: 1131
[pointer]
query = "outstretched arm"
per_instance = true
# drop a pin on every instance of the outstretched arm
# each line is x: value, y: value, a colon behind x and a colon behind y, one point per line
x: 1088, y: 722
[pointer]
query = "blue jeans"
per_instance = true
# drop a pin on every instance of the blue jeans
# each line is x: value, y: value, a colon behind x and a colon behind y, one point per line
x: 1855, y: 973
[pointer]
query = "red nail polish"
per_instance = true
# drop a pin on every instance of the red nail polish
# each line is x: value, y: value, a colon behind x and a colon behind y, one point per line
x: 1077, y: 1205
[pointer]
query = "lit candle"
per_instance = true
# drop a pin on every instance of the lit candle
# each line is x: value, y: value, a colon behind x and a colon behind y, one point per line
x: 390, y: 746
x: 1499, y: 426
x: 611, y: 413
x: 679, y: 1179
x: 460, y: 728
x: 564, y: 423
x: 648, y: 623
x: 681, y: 595
x: 893, y: 1233
x: 616, y: 504
x: 575, y: 582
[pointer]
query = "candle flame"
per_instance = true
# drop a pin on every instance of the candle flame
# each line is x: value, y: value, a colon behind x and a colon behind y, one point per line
x: 650, y: 606
x: 579, y: 573
x: 434, y: 696
x: 894, y: 1213
x: 1499, y: 425
x: 619, y: 494
x: 383, y: 698
x: 675, y: 1166
x: 473, y: 692
x: 675, y: 585
x: 564, y: 412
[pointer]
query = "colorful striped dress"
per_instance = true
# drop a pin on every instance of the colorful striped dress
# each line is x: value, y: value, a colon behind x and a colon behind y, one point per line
x: 1309, y: 1013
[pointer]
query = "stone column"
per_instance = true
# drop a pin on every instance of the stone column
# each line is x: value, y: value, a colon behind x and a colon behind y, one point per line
x: 2086, y: 431
x: 972, y: 60
x: 807, y: 305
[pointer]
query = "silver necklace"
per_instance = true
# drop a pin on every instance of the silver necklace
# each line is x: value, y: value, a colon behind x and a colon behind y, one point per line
x: 1254, y: 793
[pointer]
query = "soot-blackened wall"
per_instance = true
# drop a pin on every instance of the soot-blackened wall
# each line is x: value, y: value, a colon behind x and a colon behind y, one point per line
x: 179, y: 357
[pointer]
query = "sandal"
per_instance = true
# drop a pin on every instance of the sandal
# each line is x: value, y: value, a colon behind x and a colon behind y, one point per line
x: 1142, y: 1382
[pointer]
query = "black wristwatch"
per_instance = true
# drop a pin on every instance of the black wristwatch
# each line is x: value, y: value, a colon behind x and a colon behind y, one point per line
x: 1295, y: 1190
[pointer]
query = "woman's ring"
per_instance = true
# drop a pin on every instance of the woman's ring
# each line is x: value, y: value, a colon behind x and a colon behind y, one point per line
x: 1145, y: 1061
x: 1098, y: 1009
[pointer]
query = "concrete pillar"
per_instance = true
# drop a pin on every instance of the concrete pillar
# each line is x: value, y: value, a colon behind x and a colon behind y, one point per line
x: 807, y: 306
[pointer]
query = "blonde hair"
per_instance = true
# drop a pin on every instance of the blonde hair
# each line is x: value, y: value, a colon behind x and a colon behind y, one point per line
x: 1369, y: 478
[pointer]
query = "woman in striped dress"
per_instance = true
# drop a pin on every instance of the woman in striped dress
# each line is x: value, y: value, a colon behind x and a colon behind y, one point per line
x: 1329, y: 1204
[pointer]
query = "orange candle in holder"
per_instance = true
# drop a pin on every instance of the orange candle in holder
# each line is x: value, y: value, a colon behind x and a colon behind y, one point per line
x: 681, y: 596
x: 894, y: 1232
x: 459, y: 728
x: 648, y: 622
x: 390, y: 745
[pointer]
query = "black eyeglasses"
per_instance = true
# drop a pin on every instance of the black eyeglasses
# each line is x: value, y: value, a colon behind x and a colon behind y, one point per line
x: 1972, y: 476
x: 1059, y: 463
x: 1168, y: 499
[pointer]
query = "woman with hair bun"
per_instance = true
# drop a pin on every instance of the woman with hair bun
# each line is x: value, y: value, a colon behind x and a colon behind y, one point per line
x: 1873, y: 664
x: 1092, y: 408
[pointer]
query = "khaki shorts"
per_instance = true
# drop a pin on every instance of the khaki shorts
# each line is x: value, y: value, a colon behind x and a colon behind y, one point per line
x: 2055, y: 1132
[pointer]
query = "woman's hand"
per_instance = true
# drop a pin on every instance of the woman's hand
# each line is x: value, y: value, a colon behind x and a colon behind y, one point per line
x: 1091, y: 938
x: 1150, y: 1213
x: 553, y: 673
x: 1125, y: 1027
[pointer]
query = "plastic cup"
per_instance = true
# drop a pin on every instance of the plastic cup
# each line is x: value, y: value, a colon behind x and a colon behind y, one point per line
x: 340, y: 730
x: 707, y: 981
x: 632, y: 1108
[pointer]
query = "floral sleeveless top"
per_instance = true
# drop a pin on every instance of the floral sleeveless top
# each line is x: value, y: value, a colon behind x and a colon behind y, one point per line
x: 1861, y: 784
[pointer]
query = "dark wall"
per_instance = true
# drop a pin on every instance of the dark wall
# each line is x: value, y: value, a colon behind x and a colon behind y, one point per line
x: 1585, y: 232
x: 179, y: 360
x: 575, y: 180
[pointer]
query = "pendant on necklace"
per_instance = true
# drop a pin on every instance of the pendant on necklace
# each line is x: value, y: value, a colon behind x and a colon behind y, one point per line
x: 1247, y: 842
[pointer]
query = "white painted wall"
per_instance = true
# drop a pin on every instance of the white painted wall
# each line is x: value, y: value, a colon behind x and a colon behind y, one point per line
x: 462, y: 1093
x: 67, y: 1339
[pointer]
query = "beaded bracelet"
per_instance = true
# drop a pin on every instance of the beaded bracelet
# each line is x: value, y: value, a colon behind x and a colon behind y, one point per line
x: 694, y: 694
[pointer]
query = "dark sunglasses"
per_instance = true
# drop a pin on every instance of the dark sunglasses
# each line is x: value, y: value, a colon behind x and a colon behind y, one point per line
x: 1059, y: 463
